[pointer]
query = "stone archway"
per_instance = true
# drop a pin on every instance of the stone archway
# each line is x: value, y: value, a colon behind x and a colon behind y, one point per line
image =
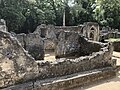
x: 92, y: 36
x: 93, y: 33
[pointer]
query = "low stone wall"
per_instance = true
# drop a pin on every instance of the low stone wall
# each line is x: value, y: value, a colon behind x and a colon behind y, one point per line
x: 114, y: 35
x: 110, y: 35
x: 67, y: 82
x: 64, y: 66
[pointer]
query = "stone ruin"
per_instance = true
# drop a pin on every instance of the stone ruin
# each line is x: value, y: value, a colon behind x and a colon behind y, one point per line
x: 33, y: 43
x: 89, y: 60
x: 52, y: 34
x: 109, y: 33
x: 91, y: 31
x: 46, y: 38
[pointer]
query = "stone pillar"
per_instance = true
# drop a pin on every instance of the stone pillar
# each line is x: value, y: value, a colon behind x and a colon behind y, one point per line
x: 64, y: 18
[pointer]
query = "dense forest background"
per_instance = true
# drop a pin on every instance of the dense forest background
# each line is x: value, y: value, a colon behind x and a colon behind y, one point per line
x: 26, y: 15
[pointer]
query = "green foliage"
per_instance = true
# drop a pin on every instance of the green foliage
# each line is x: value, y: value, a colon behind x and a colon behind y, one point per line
x: 26, y: 15
x: 108, y: 12
x: 11, y: 11
x: 14, y: 18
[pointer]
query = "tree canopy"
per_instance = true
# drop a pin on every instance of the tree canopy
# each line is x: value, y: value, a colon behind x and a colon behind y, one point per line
x: 26, y: 15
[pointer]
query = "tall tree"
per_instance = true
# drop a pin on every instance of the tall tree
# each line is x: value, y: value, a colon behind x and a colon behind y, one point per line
x: 108, y: 12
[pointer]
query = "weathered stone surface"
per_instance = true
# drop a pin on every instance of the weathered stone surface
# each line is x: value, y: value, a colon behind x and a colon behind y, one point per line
x: 15, y: 64
x: 33, y: 43
x: 91, y: 31
x: 110, y: 33
x: 51, y: 33
x: 41, y: 30
x: 51, y: 39
x: 21, y: 39
x: 72, y: 44
x: 49, y: 45
x: 64, y: 66
x: 67, y: 82
x: 68, y: 44
x: 35, y: 46
x: 116, y: 45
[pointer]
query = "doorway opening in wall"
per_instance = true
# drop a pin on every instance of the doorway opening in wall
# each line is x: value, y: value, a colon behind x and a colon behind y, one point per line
x: 91, y: 36
x: 92, y: 30
x: 49, y: 48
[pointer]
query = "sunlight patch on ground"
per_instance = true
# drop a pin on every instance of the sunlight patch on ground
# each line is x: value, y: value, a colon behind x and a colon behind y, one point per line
x: 49, y: 56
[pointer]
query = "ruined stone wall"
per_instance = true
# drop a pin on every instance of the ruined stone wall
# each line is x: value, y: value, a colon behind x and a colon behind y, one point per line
x: 66, y: 66
x: 116, y: 45
x: 51, y: 33
x: 50, y: 38
x: 33, y: 43
x: 109, y: 33
x: 16, y: 66
x: 68, y: 28
x: 35, y: 46
x: 21, y: 39
x: 72, y: 44
x: 70, y: 82
x: 114, y: 35
x: 91, y: 31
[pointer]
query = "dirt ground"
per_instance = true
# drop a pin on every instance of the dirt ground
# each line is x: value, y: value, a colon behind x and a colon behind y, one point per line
x: 49, y: 56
